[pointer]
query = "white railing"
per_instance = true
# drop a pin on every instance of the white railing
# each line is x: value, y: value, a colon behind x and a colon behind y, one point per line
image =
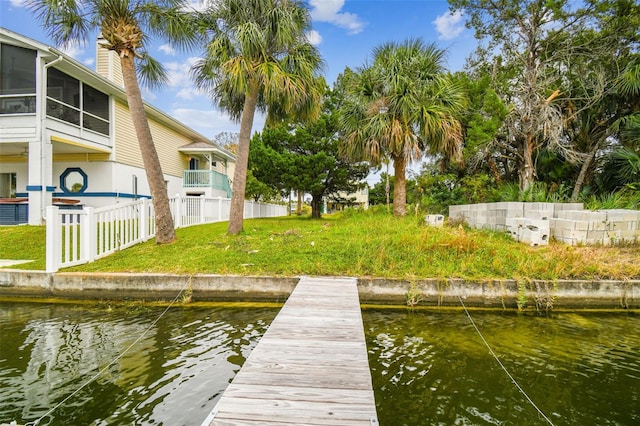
x: 75, y: 237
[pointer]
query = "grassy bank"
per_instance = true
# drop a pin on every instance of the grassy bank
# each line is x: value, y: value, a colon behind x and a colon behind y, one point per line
x: 354, y: 244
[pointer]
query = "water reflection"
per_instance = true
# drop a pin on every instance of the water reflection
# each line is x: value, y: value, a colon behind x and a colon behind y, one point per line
x: 428, y: 367
x: 172, y: 376
x: 432, y: 368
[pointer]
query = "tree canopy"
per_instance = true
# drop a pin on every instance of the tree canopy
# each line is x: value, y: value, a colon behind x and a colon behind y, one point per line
x: 305, y: 157
x: 257, y: 57
x: 400, y: 107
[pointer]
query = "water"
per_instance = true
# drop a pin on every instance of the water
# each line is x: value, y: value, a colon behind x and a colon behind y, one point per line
x: 432, y: 368
x: 172, y: 376
x: 428, y: 367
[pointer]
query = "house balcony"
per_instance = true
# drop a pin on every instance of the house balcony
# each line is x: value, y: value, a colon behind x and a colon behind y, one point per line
x: 206, y: 180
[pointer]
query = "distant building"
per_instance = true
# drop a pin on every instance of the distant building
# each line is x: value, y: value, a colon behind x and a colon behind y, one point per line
x: 67, y: 138
x: 342, y: 200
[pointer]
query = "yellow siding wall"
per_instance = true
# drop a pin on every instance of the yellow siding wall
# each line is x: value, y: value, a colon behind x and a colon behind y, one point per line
x: 166, y: 141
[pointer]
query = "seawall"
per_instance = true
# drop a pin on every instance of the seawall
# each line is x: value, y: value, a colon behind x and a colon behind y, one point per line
x: 507, y: 294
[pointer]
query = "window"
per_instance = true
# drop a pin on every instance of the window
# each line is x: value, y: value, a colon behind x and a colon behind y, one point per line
x: 73, y: 179
x: 17, y: 80
x: 7, y: 185
x: 64, y: 102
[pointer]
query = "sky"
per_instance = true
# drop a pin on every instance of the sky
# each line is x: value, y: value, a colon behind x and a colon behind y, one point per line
x: 344, y: 31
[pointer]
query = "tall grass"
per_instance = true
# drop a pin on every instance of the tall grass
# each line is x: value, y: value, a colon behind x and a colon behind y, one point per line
x: 354, y: 243
x: 371, y: 244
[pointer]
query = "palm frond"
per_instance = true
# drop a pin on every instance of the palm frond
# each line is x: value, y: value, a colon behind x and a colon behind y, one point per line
x: 64, y: 21
x: 150, y: 72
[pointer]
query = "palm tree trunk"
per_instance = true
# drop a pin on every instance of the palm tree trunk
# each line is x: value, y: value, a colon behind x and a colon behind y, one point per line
x: 165, y: 231
x: 526, y: 167
x: 236, y: 215
x: 316, y: 204
x: 586, y: 166
x: 399, y: 186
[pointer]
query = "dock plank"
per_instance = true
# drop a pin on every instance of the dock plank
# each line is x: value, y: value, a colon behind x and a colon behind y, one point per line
x: 309, y: 368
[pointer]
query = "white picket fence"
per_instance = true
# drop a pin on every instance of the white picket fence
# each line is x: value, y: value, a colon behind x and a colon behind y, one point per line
x: 75, y: 237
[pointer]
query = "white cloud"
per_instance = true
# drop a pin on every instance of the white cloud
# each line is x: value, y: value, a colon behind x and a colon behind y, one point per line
x: 72, y: 49
x: 179, y: 73
x: 449, y: 25
x: 167, y: 49
x: 198, y: 5
x: 89, y: 62
x: 18, y: 3
x: 188, y: 93
x: 330, y: 11
x: 314, y: 37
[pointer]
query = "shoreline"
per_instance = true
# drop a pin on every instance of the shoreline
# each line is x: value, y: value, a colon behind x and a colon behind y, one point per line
x: 538, y: 295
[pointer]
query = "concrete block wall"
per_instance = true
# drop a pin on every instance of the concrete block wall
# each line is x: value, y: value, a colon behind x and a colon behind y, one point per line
x: 567, y: 222
x: 493, y: 215
x: 604, y: 227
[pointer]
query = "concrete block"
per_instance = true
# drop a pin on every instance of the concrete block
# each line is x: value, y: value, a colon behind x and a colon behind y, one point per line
x: 574, y: 234
x: 596, y: 237
x: 538, y: 223
x: 434, y: 220
x: 623, y: 215
x: 558, y: 224
x: 569, y: 241
x: 534, y: 236
x: 500, y: 227
x: 598, y: 216
x: 568, y: 214
x: 538, y: 206
x: 538, y: 214
x: 567, y: 206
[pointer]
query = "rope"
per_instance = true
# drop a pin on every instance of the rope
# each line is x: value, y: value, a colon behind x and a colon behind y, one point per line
x: 116, y: 359
x: 502, y: 365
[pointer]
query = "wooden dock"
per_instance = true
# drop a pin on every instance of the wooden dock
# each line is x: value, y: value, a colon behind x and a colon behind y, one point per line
x: 310, y: 367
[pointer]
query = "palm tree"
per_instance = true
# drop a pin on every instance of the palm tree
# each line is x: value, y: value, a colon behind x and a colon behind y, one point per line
x: 258, y: 57
x: 125, y: 26
x: 400, y: 107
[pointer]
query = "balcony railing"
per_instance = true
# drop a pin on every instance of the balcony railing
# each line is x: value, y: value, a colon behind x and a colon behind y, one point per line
x: 206, y: 179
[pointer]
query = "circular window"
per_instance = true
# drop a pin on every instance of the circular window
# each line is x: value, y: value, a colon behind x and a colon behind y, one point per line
x: 73, y: 180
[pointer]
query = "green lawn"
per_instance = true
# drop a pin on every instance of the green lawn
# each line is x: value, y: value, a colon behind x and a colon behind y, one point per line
x: 352, y: 244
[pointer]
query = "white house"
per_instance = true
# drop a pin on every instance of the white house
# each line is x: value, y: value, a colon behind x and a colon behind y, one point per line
x: 341, y: 200
x: 66, y: 137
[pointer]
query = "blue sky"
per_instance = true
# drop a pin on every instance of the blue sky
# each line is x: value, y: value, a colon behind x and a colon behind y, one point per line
x: 345, y: 31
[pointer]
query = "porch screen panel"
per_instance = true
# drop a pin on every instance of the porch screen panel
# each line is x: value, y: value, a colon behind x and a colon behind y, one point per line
x: 70, y: 100
x: 17, y: 80
x: 95, y: 106
x: 63, y: 97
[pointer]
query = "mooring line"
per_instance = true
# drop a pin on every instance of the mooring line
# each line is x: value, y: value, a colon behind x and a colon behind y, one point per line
x: 116, y: 359
x: 502, y: 365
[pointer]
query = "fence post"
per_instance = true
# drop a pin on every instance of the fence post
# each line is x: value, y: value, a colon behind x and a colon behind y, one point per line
x: 177, y: 220
x: 203, y: 214
x: 220, y: 209
x: 88, y: 235
x: 143, y: 219
x: 53, y: 236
